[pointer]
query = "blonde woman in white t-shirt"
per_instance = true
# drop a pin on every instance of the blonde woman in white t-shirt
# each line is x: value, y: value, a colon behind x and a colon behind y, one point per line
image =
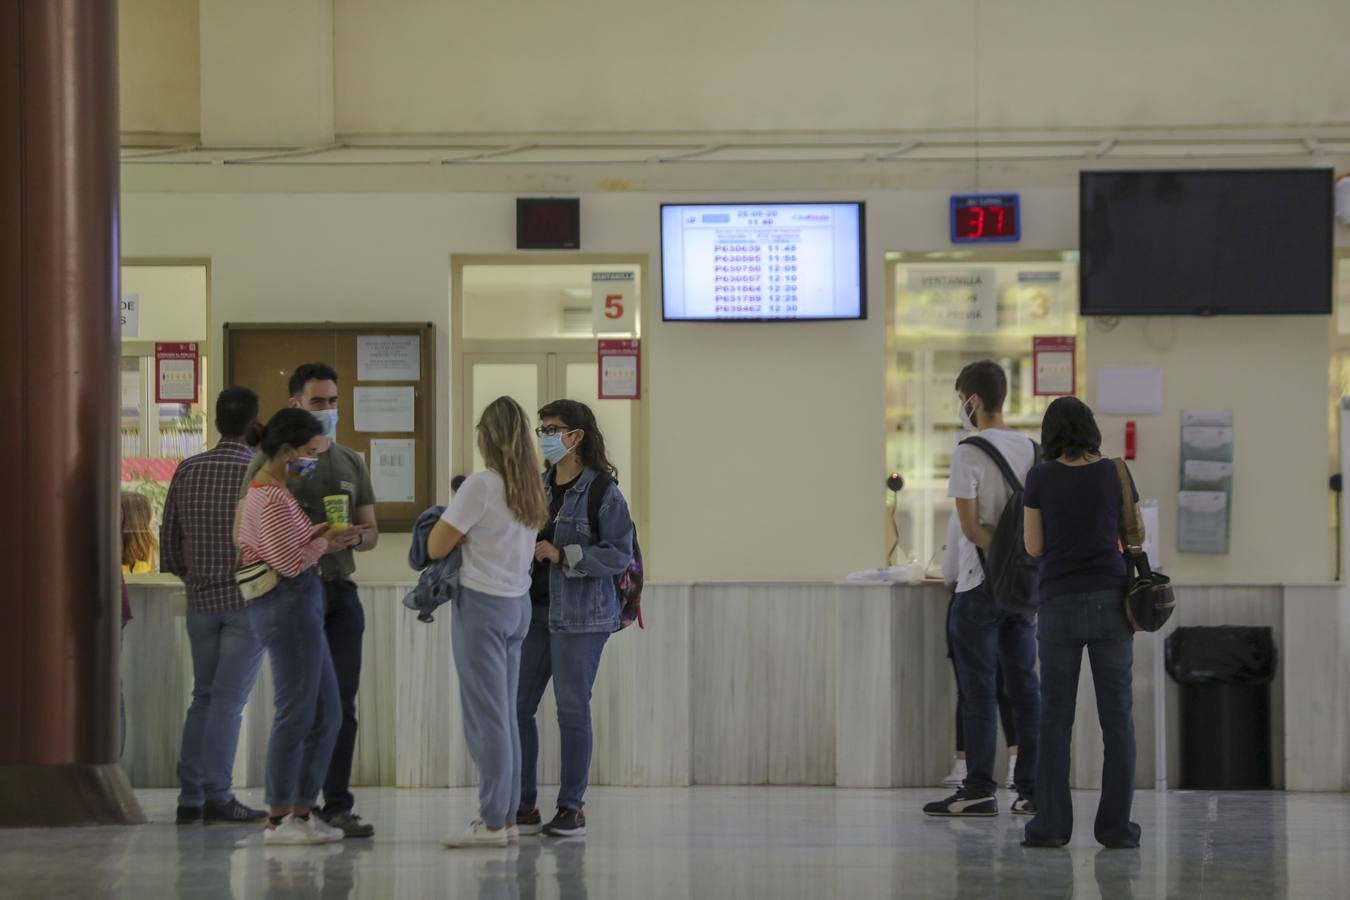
x: 497, y: 514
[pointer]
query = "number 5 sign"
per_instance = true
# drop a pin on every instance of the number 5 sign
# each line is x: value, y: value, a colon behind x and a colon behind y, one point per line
x: 614, y: 302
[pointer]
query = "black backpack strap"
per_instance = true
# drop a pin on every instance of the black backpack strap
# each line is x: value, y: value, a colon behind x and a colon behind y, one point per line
x: 992, y: 452
x: 595, y: 498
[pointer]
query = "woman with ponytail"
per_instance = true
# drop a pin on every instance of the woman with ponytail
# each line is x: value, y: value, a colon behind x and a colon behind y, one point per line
x: 496, y: 513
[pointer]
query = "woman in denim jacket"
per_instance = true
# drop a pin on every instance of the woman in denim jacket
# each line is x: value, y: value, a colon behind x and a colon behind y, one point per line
x: 575, y: 606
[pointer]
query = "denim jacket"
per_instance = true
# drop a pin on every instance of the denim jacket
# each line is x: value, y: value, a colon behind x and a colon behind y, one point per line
x: 582, y: 597
x: 439, y: 581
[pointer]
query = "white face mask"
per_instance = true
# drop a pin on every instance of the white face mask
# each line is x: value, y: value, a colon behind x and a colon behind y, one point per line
x: 965, y: 414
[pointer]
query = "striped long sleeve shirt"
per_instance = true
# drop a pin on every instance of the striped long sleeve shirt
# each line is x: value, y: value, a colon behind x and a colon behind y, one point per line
x: 275, y: 530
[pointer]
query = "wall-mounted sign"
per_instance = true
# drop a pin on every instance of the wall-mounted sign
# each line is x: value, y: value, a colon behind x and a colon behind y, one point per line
x: 1054, y: 366
x: 548, y: 223
x: 960, y: 300
x: 620, y: 370
x: 978, y: 218
x: 130, y: 309
x: 614, y: 302
x: 177, y: 373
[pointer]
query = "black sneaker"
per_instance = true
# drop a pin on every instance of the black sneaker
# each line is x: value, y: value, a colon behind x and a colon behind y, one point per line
x: 529, y: 821
x: 962, y: 805
x: 189, y: 815
x: 231, y: 812
x: 349, y: 823
x: 1023, y: 806
x: 567, y: 823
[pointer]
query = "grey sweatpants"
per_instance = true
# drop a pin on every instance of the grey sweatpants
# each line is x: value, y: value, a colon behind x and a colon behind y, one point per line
x: 486, y: 636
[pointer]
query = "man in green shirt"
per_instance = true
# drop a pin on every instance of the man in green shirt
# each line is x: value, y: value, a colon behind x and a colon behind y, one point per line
x: 340, y: 471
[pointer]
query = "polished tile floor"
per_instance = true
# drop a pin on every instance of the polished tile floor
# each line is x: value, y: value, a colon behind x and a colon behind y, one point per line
x: 708, y: 842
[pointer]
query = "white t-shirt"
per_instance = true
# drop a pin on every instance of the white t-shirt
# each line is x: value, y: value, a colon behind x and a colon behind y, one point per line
x: 498, y: 550
x: 976, y: 477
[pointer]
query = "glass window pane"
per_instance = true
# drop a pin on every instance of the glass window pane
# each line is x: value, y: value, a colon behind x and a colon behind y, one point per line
x: 518, y: 302
x: 493, y: 380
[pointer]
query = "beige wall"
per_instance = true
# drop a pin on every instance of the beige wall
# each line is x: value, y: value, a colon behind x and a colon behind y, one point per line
x: 1272, y: 372
x: 159, y: 63
x: 427, y: 66
x: 766, y: 456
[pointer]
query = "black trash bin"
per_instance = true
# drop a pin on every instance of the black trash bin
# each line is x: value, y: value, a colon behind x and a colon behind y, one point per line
x: 1225, y: 674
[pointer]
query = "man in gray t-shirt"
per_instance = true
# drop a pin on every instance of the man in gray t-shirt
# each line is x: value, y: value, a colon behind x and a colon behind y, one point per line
x: 340, y: 471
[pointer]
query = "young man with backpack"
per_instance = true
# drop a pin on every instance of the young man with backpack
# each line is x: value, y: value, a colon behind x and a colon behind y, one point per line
x: 992, y: 620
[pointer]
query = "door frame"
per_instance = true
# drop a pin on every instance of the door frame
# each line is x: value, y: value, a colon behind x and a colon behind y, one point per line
x: 635, y: 482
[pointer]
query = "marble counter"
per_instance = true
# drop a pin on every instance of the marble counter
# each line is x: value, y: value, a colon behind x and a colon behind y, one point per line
x: 793, y: 684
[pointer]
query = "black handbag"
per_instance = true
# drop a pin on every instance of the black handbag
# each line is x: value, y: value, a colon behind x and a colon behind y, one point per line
x: 1149, y: 601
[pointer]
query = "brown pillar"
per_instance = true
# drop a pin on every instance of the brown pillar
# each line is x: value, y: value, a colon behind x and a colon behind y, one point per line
x: 59, y: 344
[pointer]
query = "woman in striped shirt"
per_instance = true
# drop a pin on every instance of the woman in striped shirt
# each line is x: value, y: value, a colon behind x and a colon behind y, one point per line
x: 288, y: 621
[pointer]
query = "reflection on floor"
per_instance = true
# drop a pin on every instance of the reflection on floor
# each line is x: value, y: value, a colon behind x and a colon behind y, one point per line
x: 706, y: 843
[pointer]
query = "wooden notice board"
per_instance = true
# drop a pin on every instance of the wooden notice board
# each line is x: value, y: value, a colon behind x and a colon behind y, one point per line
x: 262, y: 356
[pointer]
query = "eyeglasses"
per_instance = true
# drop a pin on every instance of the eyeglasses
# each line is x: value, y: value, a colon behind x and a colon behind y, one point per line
x: 551, y: 430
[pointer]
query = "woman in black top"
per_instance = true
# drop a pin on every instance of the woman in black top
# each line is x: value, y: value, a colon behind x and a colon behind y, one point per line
x: 1073, y: 514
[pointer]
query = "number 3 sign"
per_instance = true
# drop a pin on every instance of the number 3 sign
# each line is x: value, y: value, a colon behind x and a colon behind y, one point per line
x: 614, y: 302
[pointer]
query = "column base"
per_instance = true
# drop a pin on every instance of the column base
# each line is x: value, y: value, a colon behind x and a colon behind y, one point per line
x: 84, y: 794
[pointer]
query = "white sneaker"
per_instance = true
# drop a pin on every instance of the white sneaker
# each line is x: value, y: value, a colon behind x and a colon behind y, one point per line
x: 478, y: 835
x: 325, y: 833
x: 1012, y: 770
x: 292, y: 832
x: 513, y: 834
x: 957, y: 776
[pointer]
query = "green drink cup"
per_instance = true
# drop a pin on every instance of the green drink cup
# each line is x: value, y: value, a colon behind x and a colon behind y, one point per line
x: 336, y: 507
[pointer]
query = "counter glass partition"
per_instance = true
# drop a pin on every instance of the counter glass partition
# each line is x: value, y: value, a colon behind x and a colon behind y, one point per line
x: 948, y: 310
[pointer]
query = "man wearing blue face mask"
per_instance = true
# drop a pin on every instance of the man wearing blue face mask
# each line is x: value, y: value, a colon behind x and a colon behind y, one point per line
x: 338, y: 472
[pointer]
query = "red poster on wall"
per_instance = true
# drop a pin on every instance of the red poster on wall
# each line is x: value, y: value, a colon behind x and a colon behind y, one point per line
x: 177, y: 373
x: 1054, y: 366
x: 620, y: 370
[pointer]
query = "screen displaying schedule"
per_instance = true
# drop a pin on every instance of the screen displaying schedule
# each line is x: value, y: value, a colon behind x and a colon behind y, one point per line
x: 762, y: 262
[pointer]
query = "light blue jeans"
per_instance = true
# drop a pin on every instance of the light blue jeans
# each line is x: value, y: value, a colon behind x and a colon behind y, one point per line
x: 486, y: 635
x: 289, y: 623
x: 226, y: 657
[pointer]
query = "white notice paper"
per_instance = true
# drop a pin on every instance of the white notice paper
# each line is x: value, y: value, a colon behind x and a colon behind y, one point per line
x: 391, y: 470
x: 1148, y: 512
x: 384, y: 409
x: 1130, y: 392
x: 388, y: 357
x: 130, y: 307
x: 618, y: 377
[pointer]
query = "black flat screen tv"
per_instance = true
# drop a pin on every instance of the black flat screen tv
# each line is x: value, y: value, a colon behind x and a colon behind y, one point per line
x: 1207, y: 242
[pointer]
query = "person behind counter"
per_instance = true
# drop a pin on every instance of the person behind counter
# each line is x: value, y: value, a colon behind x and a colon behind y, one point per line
x: 288, y: 621
x: 139, y: 546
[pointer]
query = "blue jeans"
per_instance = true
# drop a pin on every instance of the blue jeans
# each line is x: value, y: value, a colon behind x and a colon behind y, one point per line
x: 486, y: 633
x: 984, y: 641
x: 1068, y: 624
x: 572, y: 661
x: 345, y: 627
x: 289, y: 623
x: 226, y: 657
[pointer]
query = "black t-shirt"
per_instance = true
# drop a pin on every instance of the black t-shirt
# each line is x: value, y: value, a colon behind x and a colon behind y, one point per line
x: 1080, y: 515
x: 540, y: 573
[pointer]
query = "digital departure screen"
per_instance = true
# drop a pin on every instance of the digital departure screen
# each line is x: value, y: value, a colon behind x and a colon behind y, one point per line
x: 763, y: 262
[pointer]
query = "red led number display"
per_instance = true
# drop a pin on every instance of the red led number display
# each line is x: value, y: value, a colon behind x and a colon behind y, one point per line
x: 984, y: 218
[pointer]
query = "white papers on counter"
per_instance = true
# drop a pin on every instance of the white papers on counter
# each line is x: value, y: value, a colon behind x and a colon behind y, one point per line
x: 1202, y: 522
x: 891, y: 575
x: 388, y: 357
x: 391, y: 470
x: 1130, y: 392
x: 384, y: 409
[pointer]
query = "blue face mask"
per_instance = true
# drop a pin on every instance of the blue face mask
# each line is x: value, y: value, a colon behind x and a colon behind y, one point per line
x: 553, y: 448
x: 328, y: 418
x: 302, y: 467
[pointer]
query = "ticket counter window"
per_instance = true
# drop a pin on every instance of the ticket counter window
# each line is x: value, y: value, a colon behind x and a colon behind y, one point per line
x: 948, y: 310
x: 160, y: 304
